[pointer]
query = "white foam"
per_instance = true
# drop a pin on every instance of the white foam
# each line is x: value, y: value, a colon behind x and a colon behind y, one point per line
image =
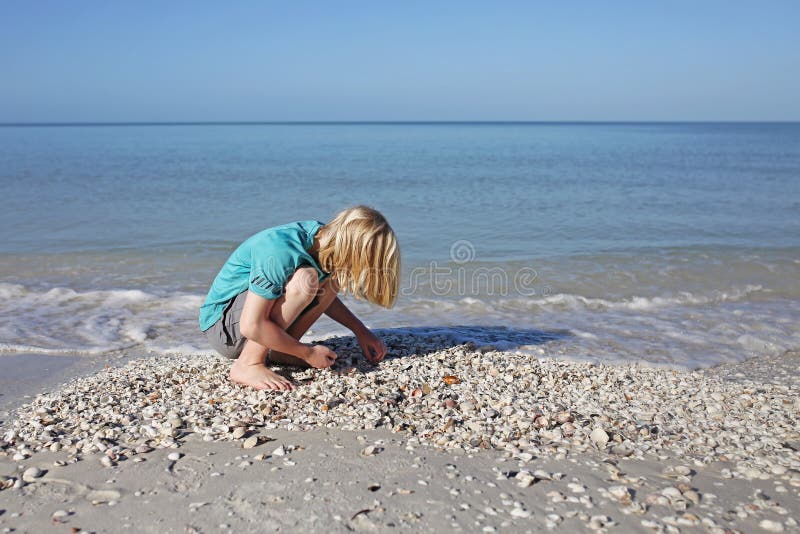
x: 636, y: 303
x: 13, y: 348
x: 680, y: 329
x: 684, y: 329
x: 62, y: 320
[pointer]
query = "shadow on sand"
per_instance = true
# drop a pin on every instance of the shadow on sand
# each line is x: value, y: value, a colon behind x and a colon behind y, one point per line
x: 418, y: 342
x: 421, y: 341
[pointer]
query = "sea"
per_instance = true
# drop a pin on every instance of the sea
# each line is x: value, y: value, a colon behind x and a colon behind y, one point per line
x: 666, y: 244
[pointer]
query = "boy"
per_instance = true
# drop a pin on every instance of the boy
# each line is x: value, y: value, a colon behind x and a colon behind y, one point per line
x: 278, y: 282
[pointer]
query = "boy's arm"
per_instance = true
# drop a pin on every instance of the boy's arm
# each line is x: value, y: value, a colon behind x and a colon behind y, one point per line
x: 255, y: 324
x: 372, y: 346
x: 342, y: 315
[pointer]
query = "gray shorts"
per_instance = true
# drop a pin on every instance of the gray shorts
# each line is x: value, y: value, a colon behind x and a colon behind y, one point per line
x: 224, y: 335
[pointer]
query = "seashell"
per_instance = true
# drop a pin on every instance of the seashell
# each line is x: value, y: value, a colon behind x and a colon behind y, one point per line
x: 621, y: 494
x: 31, y: 474
x: 599, y: 437
x: 564, y: 417
x: 515, y: 403
x: 542, y: 421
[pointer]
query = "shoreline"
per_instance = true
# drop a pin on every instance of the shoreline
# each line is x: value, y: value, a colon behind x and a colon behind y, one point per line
x: 24, y: 376
x: 626, y: 439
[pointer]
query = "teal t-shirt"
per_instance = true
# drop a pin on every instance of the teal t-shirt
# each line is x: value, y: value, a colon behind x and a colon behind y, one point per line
x: 262, y: 264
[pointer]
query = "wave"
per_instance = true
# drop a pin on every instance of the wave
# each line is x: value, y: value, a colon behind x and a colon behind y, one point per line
x: 63, y: 320
x: 636, y: 303
x: 686, y: 329
x: 562, y: 302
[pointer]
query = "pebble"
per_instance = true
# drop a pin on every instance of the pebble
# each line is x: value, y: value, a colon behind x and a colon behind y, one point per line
x: 692, y: 496
x: 671, y: 493
x: 280, y: 451
x: 621, y: 494
x: 60, y: 515
x: 770, y: 525
x: 31, y: 474
x: 680, y: 472
x: 520, y: 512
x: 525, y: 480
x: 576, y: 488
x: 174, y: 456
x: 542, y: 475
x: 600, y: 522
x: 778, y: 470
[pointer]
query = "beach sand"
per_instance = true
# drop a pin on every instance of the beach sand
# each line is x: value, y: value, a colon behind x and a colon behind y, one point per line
x: 23, y: 376
x: 157, y: 444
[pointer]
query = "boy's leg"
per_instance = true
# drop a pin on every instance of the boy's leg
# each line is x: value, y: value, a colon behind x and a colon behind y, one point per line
x: 299, y: 292
x: 249, y: 368
x: 308, y: 316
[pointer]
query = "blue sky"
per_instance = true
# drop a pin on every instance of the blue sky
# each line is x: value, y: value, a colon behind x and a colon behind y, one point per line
x: 350, y: 60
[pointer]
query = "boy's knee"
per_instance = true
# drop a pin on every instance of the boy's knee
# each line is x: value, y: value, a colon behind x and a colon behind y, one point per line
x: 304, y: 283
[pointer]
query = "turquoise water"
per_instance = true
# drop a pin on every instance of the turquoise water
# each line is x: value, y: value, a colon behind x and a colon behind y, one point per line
x: 673, y: 244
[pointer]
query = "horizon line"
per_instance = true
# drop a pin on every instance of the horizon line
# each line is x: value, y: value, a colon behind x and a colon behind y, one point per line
x: 382, y: 122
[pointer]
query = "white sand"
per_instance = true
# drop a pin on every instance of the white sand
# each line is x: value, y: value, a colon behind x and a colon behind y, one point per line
x: 324, y: 483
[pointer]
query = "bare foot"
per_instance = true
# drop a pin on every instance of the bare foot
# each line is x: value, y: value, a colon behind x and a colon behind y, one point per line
x: 258, y: 376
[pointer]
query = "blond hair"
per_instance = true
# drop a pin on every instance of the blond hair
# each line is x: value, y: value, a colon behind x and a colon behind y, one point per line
x: 359, y: 249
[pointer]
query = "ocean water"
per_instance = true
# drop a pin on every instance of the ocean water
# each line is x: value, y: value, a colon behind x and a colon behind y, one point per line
x: 666, y: 244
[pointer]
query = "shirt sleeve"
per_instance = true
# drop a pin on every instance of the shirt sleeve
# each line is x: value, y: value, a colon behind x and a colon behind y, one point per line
x: 267, y: 276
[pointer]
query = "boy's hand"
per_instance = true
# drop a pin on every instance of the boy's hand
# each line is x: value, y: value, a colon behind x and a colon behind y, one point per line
x: 321, y: 357
x: 372, y: 346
